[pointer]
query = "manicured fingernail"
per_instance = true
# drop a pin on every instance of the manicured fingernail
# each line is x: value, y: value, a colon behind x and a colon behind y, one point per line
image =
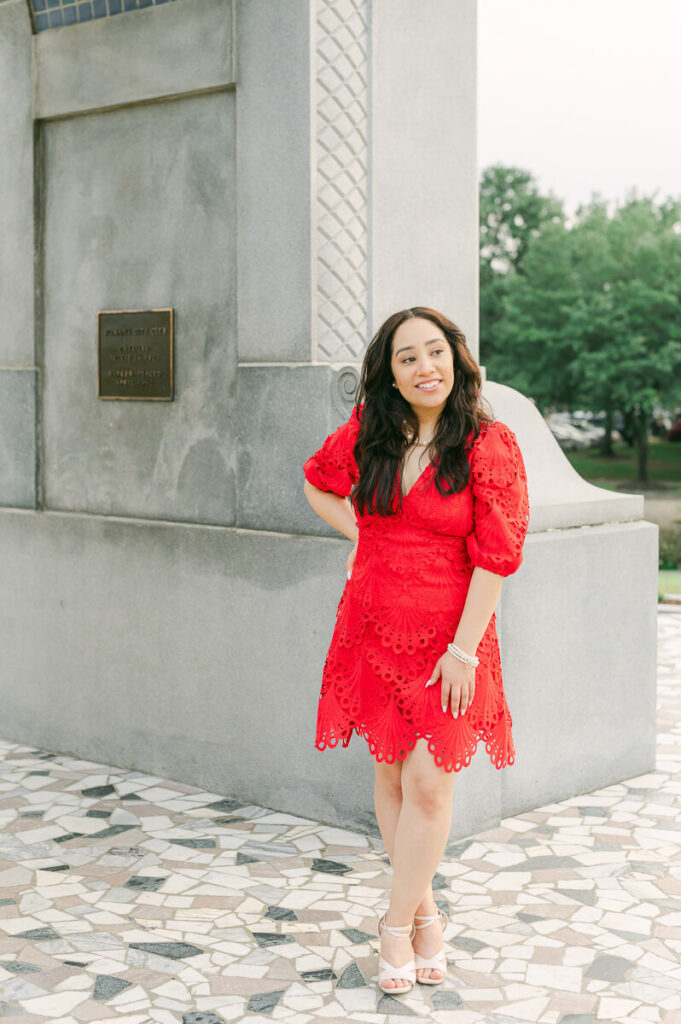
x: 444, y: 707
x: 456, y: 714
x: 463, y: 712
x: 348, y: 575
x: 429, y: 683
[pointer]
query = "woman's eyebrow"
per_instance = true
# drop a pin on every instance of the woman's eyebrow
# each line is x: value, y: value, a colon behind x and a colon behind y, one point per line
x: 405, y: 347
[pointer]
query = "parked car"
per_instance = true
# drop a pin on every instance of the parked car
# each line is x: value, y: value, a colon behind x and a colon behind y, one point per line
x: 674, y: 432
x: 573, y: 431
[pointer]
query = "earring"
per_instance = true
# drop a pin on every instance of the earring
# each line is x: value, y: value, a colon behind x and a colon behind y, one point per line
x: 394, y: 384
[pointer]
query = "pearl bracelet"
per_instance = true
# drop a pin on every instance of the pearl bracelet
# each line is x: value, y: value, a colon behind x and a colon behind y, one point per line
x: 469, y: 659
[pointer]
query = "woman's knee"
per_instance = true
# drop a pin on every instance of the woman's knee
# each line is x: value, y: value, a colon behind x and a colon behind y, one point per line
x: 388, y: 778
x: 427, y: 785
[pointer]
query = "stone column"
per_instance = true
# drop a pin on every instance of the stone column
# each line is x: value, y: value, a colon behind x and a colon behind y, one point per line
x: 18, y: 373
x: 357, y: 197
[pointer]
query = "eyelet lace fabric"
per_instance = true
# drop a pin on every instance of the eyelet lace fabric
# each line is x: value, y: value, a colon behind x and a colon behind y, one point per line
x: 404, y: 600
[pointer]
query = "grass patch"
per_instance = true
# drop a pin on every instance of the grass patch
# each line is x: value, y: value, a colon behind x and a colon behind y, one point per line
x: 669, y: 581
x: 664, y: 465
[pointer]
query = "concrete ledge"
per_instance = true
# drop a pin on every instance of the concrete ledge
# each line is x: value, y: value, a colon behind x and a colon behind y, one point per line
x: 196, y: 653
x: 149, y: 54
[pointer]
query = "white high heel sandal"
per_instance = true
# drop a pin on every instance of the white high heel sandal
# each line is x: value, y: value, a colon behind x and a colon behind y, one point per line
x: 386, y: 970
x: 437, y: 962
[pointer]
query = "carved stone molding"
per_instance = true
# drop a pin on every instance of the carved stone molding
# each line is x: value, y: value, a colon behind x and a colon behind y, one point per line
x: 341, y: 53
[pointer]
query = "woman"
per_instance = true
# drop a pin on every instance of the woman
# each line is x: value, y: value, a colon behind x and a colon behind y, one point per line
x: 439, y: 517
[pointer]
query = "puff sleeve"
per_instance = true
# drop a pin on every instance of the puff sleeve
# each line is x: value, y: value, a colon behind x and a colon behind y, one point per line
x: 333, y: 466
x: 501, y: 509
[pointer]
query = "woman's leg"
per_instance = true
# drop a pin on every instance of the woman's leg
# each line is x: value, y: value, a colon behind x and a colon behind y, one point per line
x: 388, y: 804
x: 418, y: 844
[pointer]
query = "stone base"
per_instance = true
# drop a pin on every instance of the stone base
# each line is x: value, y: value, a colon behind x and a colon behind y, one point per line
x: 196, y: 653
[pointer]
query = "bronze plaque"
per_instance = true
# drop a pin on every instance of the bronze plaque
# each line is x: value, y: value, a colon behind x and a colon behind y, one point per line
x: 136, y: 354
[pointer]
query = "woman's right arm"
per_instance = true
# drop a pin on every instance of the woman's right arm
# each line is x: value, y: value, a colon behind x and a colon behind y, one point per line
x: 333, y: 509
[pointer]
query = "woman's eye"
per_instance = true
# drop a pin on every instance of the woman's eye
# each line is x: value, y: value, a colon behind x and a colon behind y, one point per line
x: 435, y: 352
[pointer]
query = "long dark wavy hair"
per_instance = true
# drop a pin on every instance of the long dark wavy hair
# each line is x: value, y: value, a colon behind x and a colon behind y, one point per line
x: 388, y: 421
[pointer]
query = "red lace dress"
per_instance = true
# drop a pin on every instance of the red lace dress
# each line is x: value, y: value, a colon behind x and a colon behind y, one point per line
x: 403, y: 602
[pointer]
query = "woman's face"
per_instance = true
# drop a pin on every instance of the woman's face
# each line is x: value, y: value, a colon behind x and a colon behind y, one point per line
x: 422, y: 363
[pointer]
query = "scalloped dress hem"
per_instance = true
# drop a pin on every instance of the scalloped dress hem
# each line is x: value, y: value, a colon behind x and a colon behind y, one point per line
x: 496, y: 742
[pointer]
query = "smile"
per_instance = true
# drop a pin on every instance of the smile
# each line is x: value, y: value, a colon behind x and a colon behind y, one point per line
x: 429, y: 385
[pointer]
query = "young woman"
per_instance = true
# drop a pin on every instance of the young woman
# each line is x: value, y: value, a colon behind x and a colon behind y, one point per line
x: 439, y: 513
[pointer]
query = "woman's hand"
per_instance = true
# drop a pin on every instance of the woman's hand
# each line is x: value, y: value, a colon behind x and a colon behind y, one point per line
x: 351, y: 560
x: 458, y: 683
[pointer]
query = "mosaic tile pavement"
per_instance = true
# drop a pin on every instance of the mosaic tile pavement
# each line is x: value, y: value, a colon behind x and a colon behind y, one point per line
x: 128, y: 898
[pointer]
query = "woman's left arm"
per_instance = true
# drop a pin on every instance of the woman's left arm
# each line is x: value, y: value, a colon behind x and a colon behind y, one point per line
x: 483, y: 593
x: 457, y: 687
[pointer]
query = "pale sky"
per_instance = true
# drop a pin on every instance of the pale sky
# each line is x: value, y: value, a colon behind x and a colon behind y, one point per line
x: 585, y: 94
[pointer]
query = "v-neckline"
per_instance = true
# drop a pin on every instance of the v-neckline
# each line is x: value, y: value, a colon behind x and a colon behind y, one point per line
x: 424, y: 470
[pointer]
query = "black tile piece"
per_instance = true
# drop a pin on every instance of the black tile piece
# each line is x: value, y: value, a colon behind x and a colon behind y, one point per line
x: 75, y: 963
x: 98, y: 814
x: 281, y: 914
x: 144, y: 883
x: 6, y: 900
x: 98, y: 791
x: 202, y: 1017
x: 456, y: 849
x: 356, y: 935
x: 447, y: 999
x: 10, y: 1009
x: 470, y: 944
x: 225, y: 805
x: 32, y: 814
x: 243, y: 858
x: 229, y: 821
x: 545, y: 861
x: 265, y: 939
x: 56, y: 867
x: 525, y: 841
x: 67, y: 835
x: 42, y: 771
x: 648, y: 867
x: 18, y: 967
x: 609, y: 968
x: 106, y: 987
x: 264, y: 1002
x: 113, y: 830
x: 330, y: 867
x: 444, y: 906
x: 195, y: 844
x: 393, y: 1006
x: 39, y: 934
x: 130, y: 796
x: 585, y: 896
x: 438, y: 882
x: 322, y: 974
x: 173, y: 950
x: 351, y: 978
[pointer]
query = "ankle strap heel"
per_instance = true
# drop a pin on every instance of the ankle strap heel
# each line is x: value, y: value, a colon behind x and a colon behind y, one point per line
x: 397, y: 929
x: 430, y: 918
x: 437, y: 962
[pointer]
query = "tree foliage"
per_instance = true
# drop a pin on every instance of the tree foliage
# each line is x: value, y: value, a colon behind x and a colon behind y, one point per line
x: 585, y: 315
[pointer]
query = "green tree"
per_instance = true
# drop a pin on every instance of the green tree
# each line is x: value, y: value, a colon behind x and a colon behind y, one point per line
x: 512, y: 212
x: 590, y: 317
